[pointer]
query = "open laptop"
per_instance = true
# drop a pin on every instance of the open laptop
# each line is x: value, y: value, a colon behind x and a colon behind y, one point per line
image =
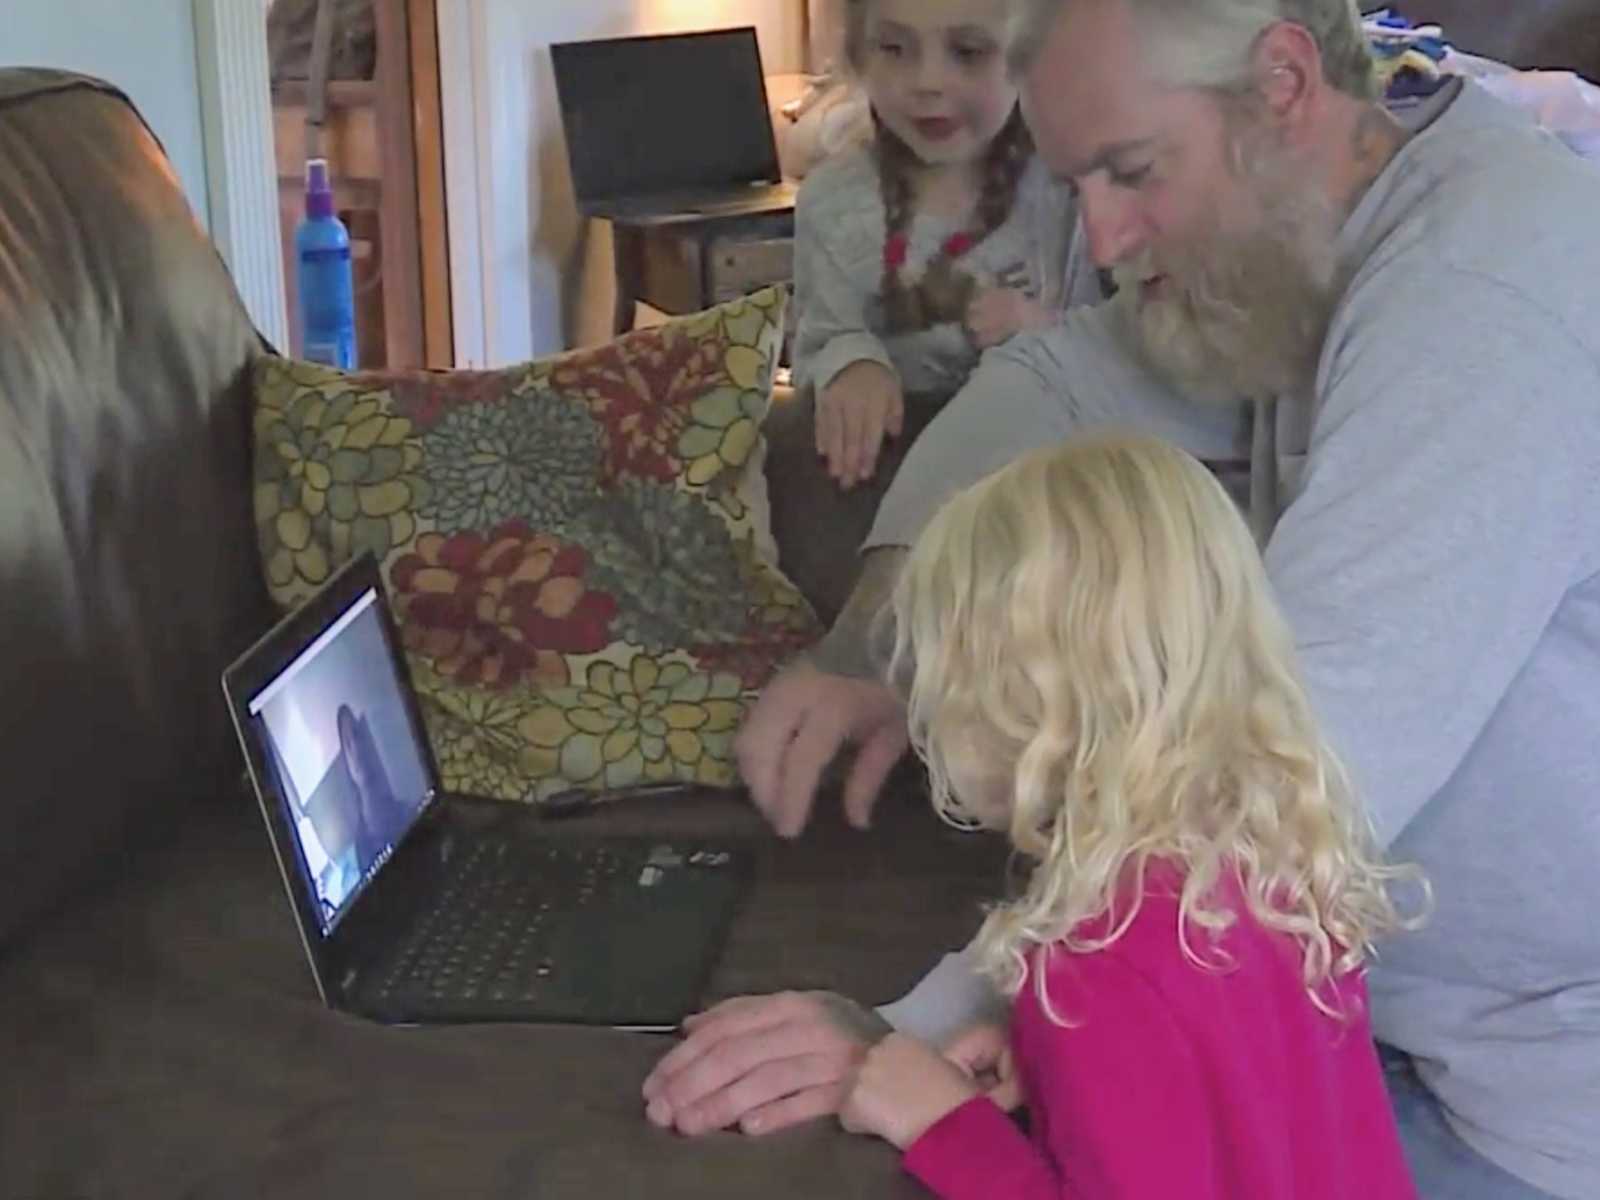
x: 412, y: 905
x: 673, y: 126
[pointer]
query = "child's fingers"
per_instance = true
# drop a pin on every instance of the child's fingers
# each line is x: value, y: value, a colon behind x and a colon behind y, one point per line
x: 837, y: 439
x: 872, y: 444
x: 1007, y: 1094
x: 867, y: 444
x: 853, y: 1115
x: 868, y: 431
x: 978, y: 1049
x: 850, y: 423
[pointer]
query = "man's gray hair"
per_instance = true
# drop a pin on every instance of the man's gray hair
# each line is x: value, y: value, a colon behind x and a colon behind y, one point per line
x: 1208, y: 43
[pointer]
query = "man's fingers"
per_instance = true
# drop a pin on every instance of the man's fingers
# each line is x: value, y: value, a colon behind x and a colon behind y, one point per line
x: 740, y: 1017
x: 762, y: 745
x: 744, y: 1072
x: 766, y: 749
x: 896, y: 423
x: 743, y: 1013
x: 793, y: 1110
x: 813, y: 747
x: 876, y: 758
x: 761, y: 1087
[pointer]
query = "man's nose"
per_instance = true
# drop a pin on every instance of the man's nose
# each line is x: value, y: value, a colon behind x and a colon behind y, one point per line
x: 1111, y: 223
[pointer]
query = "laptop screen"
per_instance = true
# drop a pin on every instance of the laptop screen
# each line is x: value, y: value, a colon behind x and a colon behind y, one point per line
x: 650, y: 115
x: 348, y: 770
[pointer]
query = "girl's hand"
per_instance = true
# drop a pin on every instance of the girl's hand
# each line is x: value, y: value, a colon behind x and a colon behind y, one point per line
x: 902, y: 1090
x: 983, y: 1054
x: 998, y: 314
x: 855, y: 412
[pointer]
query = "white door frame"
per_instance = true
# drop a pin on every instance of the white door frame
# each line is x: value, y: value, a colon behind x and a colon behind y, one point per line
x: 241, y: 168
x: 464, y: 72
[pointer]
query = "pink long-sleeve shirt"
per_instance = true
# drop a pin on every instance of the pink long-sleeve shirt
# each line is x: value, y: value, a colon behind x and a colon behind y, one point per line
x: 1178, y: 1081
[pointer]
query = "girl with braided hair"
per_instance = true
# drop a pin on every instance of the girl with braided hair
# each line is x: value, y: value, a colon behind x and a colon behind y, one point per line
x: 940, y: 237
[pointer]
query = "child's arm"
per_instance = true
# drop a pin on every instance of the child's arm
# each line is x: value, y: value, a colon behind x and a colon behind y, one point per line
x: 859, y: 400
x: 902, y: 1089
x: 833, y: 332
x: 1119, y: 1094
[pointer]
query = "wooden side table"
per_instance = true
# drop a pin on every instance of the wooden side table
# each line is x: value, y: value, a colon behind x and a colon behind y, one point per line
x: 682, y: 263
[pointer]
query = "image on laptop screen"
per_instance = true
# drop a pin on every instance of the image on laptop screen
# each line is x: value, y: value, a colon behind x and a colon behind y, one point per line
x: 347, y: 768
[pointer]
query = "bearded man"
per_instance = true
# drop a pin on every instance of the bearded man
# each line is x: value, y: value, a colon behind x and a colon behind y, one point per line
x: 1404, y: 306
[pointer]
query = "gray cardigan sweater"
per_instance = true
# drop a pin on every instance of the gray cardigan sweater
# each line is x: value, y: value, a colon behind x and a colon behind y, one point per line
x: 840, y: 231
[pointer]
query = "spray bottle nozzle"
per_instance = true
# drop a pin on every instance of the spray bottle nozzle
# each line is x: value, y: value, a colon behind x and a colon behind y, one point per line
x: 319, y: 189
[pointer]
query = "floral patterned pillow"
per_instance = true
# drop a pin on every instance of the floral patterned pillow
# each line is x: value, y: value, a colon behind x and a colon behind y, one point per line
x: 577, y: 580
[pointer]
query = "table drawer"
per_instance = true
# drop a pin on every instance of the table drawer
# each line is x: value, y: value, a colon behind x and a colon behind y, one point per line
x: 738, y: 266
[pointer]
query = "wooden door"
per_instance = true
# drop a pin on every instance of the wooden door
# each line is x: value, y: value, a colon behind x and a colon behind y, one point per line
x: 381, y: 135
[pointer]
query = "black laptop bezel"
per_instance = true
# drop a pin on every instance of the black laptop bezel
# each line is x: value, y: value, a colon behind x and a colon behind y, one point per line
x: 337, y: 956
x: 589, y: 205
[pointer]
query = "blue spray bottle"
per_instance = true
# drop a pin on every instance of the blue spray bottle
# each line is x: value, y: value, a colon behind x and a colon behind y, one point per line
x: 327, y: 294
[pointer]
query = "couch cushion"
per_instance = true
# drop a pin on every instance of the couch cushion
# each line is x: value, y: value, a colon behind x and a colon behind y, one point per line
x: 818, y: 526
x: 578, y: 578
x: 125, y: 543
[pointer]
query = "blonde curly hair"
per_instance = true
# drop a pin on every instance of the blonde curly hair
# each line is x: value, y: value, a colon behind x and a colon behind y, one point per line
x: 1093, y: 662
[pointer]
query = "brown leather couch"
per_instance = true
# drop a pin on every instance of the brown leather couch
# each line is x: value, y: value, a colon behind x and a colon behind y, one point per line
x: 159, y: 1032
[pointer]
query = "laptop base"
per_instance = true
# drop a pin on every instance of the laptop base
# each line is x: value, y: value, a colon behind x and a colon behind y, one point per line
x: 569, y: 930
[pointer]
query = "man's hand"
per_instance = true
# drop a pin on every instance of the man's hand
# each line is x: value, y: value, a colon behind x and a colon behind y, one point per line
x: 762, y: 1063
x: 983, y: 1054
x: 802, y: 720
x: 902, y: 1089
x: 862, y: 406
x: 998, y: 314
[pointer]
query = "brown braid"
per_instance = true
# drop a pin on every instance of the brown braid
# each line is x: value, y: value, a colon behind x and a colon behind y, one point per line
x: 945, y: 290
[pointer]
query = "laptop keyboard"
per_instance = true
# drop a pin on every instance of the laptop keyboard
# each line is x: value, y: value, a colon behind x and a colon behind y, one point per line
x: 491, y: 935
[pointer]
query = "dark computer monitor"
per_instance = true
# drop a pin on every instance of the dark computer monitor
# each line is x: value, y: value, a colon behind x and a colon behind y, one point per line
x: 658, y: 115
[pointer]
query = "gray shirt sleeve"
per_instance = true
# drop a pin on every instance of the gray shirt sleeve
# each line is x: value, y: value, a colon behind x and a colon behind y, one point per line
x: 1447, y: 506
x: 1038, y: 389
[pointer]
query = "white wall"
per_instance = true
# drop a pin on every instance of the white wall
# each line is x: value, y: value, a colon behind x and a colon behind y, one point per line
x: 547, y: 276
x: 145, y: 47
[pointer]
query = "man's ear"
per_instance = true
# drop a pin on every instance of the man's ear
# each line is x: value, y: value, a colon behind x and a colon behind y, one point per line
x: 1287, y: 65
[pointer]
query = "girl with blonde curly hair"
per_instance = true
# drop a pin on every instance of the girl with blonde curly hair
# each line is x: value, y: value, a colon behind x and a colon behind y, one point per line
x: 1094, y: 664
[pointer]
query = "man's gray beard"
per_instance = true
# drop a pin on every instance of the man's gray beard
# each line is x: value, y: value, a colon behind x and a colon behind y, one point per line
x: 1244, y: 315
